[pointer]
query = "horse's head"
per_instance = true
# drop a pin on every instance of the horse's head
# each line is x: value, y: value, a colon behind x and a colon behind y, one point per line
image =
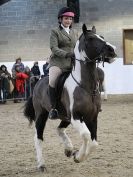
x: 93, y: 47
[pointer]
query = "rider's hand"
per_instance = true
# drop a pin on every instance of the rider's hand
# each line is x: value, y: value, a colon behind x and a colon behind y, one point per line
x: 70, y: 55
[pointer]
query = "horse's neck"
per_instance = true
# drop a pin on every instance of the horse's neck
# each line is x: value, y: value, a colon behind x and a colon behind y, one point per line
x: 84, y: 73
x: 89, y: 76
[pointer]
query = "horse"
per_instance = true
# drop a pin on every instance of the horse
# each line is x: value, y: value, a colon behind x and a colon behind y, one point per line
x: 80, y: 101
x: 102, y: 84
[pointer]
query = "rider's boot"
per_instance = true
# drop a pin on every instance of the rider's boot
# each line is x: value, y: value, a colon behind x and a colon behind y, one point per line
x: 53, y: 113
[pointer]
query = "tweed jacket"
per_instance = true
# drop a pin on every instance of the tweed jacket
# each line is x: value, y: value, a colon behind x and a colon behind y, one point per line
x: 61, y: 43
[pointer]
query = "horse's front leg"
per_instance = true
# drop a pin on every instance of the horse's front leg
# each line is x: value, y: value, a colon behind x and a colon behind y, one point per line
x: 65, y: 139
x: 92, y: 126
x: 84, y: 132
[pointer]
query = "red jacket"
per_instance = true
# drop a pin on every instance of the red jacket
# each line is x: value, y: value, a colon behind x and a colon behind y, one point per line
x: 20, y: 80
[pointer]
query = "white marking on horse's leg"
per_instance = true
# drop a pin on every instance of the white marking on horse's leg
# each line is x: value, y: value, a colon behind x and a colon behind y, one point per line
x: 38, y: 146
x: 85, y: 134
x: 66, y: 140
x: 104, y: 89
x: 92, y: 147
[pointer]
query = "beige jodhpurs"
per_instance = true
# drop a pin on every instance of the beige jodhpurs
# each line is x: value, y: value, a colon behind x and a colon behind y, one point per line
x: 54, y: 73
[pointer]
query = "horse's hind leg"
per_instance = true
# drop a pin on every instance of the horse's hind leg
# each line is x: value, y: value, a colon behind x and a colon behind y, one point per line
x: 65, y: 139
x: 40, y: 123
x: 104, y: 90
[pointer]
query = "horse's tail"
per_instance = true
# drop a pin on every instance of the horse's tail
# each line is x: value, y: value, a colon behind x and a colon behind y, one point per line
x: 29, y: 111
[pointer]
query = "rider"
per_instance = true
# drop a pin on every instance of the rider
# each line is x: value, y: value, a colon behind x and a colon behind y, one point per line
x: 62, y: 43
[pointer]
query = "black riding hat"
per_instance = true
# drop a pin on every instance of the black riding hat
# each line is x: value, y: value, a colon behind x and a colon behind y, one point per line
x: 65, y: 11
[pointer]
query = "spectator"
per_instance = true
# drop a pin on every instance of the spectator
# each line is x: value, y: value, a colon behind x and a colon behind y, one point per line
x: 18, y: 63
x: 19, y: 78
x: 29, y: 81
x: 36, y: 71
x: 46, y: 68
x: 5, y: 76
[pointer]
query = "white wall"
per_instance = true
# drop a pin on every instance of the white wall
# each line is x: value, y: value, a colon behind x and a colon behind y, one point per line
x: 118, y: 77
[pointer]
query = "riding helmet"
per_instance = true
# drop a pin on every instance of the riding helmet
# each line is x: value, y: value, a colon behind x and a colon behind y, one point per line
x: 65, y: 11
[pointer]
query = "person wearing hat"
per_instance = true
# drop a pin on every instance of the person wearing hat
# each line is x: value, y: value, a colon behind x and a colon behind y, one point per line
x: 62, y: 43
x: 18, y: 62
x: 5, y: 76
x: 36, y: 72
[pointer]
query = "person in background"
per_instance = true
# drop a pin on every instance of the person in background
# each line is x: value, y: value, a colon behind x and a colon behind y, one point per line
x: 5, y: 76
x: 36, y: 72
x: 19, y: 78
x: 18, y: 63
x: 29, y: 81
x: 46, y: 68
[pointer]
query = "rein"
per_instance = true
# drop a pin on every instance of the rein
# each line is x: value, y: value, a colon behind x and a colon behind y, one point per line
x: 94, y: 92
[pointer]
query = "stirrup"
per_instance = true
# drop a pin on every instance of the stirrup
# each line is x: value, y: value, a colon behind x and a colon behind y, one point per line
x: 53, y: 114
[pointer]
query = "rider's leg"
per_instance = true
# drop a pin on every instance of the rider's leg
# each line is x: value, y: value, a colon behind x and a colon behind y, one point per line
x: 54, y: 73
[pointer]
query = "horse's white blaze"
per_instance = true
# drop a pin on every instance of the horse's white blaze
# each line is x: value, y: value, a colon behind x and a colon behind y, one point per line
x: 66, y: 140
x: 114, y: 47
x: 38, y: 146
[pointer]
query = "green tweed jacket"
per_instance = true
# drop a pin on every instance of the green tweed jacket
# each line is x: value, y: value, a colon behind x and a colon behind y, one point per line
x: 61, y: 43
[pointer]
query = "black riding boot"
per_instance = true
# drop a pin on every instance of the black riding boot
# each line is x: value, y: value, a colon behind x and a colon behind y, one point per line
x: 53, y: 114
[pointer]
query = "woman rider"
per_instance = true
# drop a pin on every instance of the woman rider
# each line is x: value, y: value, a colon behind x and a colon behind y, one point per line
x: 62, y: 43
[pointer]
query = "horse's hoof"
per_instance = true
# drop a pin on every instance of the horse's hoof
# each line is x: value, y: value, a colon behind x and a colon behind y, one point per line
x: 42, y: 168
x: 68, y: 153
x: 74, y: 157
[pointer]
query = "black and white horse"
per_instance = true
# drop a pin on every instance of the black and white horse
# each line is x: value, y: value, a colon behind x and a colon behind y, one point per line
x: 80, y: 99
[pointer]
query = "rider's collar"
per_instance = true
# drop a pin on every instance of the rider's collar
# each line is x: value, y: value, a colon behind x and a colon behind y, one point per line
x: 66, y: 29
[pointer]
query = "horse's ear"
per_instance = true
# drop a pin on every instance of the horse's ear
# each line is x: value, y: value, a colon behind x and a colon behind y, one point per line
x: 84, y: 28
x: 94, y: 29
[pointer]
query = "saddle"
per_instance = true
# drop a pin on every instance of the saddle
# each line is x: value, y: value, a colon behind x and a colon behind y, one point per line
x: 60, y: 84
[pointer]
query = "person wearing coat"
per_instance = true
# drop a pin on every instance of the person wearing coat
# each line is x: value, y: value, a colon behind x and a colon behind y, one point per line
x: 36, y: 72
x: 5, y: 76
x: 19, y: 79
x: 62, y: 43
x: 46, y: 69
x: 18, y: 63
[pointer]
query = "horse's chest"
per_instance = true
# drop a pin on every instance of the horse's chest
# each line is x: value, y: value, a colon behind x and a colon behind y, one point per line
x: 85, y: 101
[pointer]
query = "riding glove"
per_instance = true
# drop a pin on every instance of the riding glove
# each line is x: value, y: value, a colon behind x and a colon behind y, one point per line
x: 70, y: 55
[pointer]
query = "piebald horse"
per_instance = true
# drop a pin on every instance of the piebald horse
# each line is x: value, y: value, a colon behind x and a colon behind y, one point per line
x: 80, y: 99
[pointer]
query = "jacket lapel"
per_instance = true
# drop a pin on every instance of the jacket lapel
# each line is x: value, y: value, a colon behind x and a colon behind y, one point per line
x: 65, y: 33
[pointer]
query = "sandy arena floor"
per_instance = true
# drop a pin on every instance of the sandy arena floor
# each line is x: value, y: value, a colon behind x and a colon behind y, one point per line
x: 113, y: 158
